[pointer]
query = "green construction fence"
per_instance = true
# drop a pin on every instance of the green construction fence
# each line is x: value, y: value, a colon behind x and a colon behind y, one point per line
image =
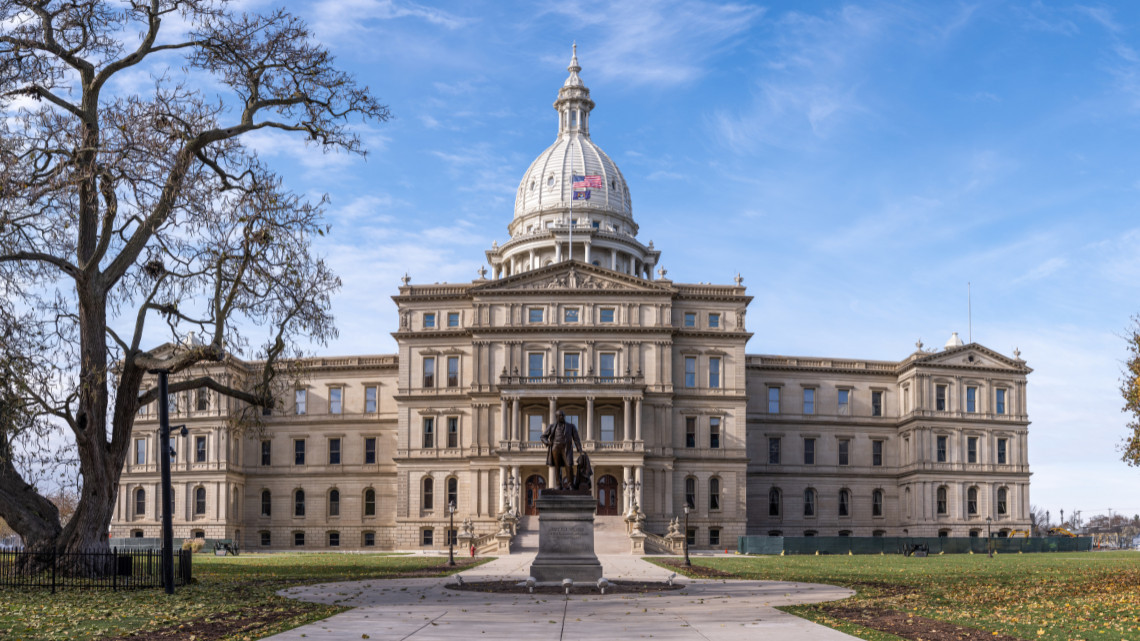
x: 902, y: 544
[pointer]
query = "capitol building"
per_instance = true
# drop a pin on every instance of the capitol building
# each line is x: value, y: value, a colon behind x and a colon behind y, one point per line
x: 572, y: 312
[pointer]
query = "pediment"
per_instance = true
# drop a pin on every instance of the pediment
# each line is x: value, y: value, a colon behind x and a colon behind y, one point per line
x: 971, y: 356
x: 572, y: 277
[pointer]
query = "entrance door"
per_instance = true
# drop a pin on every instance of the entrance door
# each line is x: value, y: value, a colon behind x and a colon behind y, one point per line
x: 534, y: 485
x: 607, y: 496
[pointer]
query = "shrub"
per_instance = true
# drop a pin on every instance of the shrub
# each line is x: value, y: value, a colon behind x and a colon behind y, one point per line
x: 194, y: 545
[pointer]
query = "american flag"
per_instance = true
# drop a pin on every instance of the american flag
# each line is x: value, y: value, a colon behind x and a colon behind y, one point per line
x: 587, y: 182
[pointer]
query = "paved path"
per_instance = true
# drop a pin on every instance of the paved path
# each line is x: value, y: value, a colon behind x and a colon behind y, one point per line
x: 422, y: 609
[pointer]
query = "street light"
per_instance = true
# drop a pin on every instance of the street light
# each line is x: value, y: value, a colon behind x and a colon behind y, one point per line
x: 451, y: 534
x: 687, y: 563
x: 989, y: 540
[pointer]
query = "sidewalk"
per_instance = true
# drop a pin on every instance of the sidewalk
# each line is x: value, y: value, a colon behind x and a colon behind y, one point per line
x: 422, y: 609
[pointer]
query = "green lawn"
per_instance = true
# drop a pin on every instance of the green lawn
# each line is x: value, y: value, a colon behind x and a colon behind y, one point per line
x: 1052, y: 596
x: 231, y: 593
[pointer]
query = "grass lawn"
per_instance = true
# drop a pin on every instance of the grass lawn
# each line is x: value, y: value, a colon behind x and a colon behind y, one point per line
x: 1052, y: 596
x: 231, y: 595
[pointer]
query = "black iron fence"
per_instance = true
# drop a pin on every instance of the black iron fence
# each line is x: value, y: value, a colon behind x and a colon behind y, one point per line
x: 117, y: 569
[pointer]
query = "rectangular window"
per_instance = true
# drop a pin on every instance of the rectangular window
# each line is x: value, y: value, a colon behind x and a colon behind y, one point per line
x: 691, y: 536
x: 1001, y: 445
x: 199, y: 449
x: 299, y: 452
x: 844, y: 451
x: 690, y: 371
x: 534, y: 315
x: 451, y: 536
x: 941, y: 452
x: 299, y: 539
x: 429, y: 321
x: 971, y: 399
x: 429, y: 371
x: 453, y: 371
x: 876, y: 403
x: 334, y: 539
x: 714, y: 373
x: 370, y: 450
x: 690, y: 431
x: 714, y: 536
x: 202, y: 400
x: 606, y: 362
x: 999, y: 401
x: 534, y: 365
x: 370, y: 399
x: 427, y: 537
x: 940, y: 398
x: 570, y: 315
x: 773, y: 400
x: 369, y: 539
x: 972, y: 449
x: 714, y: 433
x: 877, y: 453
x: 607, y: 315
x: 607, y: 427
x: 690, y: 319
x: 844, y: 407
x: 336, y: 396
x: 453, y: 431
x: 453, y: 319
x: 265, y: 539
x: 809, y: 401
x: 429, y: 432
x: 773, y: 451
x: 140, y: 451
x: 809, y: 451
x: 265, y: 449
x: 334, y: 451
x: 300, y: 398
x: 570, y: 365
x: 534, y: 428
x: 714, y: 320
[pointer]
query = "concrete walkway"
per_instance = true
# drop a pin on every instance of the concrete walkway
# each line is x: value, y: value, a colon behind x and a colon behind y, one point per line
x: 422, y: 609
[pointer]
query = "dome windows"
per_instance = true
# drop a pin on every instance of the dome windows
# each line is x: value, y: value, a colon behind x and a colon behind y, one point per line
x: 550, y: 181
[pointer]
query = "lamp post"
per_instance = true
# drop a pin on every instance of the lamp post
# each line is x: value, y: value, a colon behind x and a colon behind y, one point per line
x: 451, y: 534
x: 687, y: 563
x: 167, y: 550
x: 989, y: 541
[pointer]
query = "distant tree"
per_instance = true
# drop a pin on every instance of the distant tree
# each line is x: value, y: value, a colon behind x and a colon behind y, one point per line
x: 1130, y: 390
x: 1036, y: 520
x: 139, y: 214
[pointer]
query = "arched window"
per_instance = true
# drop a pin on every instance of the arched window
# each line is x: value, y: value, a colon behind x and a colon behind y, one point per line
x: 200, y: 501
x: 691, y: 493
x: 334, y: 502
x: 877, y: 503
x: 266, y: 503
x: 1002, y: 505
x: 299, y: 503
x: 774, y: 502
x: 429, y: 494
x: 972, y: 500
x: 140, y: 502
x: 941, y: 502
x: 453, y: 491
x: 844, y: 503
x: 714, y: 493
x: 370, y: 502
x: 809, y: 503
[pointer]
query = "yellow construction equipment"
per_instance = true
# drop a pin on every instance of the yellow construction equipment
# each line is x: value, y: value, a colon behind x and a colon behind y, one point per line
x: 1022, y: 533
x: 1060, y: 531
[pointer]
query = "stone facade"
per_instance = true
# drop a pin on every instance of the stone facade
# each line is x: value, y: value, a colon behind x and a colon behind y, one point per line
x: 369, y: 451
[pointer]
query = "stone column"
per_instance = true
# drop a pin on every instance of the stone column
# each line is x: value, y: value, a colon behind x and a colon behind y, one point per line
x: 668, y: 476
x: 590, y: 418
x: 553, y: 407
x: 504, y: 420
x: 587, y: 252
x: 627, y: 433
x: 627, y: 476
x: 613, y: 259
x: 637, y: 421
x: 515, y: 429
x: 557, y: 251
x: 639, y: 478
x: 502, y: 488
x: 518, y: 489
x: 531, y: 259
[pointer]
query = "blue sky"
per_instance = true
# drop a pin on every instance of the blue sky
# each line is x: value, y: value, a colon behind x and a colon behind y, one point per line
x: 858, y: 163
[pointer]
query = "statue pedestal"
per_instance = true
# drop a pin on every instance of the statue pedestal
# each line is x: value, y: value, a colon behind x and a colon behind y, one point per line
x: 566, y: 537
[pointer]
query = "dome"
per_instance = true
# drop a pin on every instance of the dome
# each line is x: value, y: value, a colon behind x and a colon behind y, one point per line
x: 547, y: 183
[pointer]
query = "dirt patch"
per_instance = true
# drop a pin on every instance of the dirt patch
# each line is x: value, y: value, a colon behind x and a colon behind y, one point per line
x: 699, y: 571
x: 220, y: 626
x: 881, y: 589
x: 909, y: 626
x: 615, y: 587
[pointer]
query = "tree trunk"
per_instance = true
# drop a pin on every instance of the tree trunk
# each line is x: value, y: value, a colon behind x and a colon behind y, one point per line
x: 34, y: 517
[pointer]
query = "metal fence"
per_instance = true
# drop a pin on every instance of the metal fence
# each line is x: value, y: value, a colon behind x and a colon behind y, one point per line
x: 115, y: 570
x: 904, y: 544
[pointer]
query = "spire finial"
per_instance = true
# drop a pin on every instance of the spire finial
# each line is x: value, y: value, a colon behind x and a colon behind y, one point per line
x: 574, y: 68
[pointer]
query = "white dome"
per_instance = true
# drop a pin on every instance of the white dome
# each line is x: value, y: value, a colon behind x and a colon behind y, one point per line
x: 547, y: 183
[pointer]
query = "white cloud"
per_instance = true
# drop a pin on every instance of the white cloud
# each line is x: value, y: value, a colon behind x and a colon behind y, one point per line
x: 334, y: 18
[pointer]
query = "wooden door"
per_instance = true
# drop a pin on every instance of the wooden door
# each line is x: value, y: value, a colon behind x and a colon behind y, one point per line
x: 607, y: 496
x: 534, y: 485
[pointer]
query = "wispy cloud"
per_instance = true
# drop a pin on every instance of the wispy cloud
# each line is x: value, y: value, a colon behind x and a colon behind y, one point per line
x: 334, y: 18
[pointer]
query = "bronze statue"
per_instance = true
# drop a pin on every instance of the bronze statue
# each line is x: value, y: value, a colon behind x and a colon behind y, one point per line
x: 561, y: 439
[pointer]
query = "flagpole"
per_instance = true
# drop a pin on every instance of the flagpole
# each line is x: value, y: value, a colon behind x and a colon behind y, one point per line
x: 570, y: 249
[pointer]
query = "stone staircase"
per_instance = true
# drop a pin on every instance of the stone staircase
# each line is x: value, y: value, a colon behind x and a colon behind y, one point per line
x: 526, y: 538
x: 610, y: 536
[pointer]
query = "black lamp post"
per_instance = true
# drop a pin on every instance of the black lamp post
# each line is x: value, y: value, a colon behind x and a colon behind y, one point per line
x: 167, y: 550
x: 451, y: 534
x: 687, y: 563
x: 989, y: 540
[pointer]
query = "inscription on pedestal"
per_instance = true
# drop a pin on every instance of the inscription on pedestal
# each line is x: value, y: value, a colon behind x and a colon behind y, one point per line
x: 566, y: 538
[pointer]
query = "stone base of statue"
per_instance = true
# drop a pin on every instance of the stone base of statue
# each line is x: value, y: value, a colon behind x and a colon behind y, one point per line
x: 566, y: 537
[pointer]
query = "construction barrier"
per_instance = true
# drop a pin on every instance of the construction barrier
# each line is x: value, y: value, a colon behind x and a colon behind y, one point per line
x: 905, y: 544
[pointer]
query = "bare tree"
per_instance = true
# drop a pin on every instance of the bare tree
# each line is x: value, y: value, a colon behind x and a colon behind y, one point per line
x: 124, y: 217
